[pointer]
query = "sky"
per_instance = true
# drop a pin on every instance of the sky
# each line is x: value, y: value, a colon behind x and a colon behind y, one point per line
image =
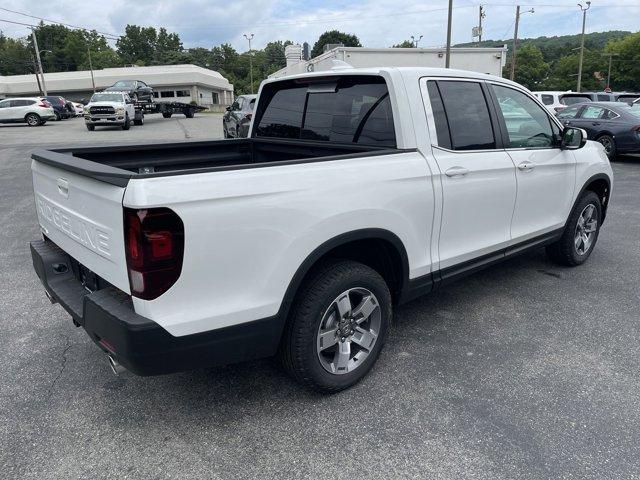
x: 378, y: 23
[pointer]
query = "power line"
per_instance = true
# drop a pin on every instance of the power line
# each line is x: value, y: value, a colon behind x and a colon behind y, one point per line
x: 115, y: 36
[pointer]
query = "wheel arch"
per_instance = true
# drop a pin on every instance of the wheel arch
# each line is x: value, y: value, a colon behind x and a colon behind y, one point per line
x: 31, y: 113
x: 600, y: 184
x: 377, y: 248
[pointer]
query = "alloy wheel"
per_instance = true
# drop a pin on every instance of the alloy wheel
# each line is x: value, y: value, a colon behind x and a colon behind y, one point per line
x: 586, y: 228
x: 348, y: 331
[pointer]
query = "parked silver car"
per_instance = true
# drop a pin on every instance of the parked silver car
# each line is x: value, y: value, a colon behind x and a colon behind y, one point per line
x: 33, y: 111
x: 235, y: 123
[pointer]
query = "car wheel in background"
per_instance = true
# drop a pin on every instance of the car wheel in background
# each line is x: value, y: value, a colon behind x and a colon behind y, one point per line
x: 139, y: 121
x: 166, y: 114
x: 580, y: 232
x: 57, y: 116
x: 91, y: 128
x: 609, y: 145
x: 127, y: 123
x: 337, y: 326
x: 32, y: 119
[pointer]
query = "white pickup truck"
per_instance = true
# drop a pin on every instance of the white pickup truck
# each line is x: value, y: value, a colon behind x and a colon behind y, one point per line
x: 111, y: 108
x: 356, y: 190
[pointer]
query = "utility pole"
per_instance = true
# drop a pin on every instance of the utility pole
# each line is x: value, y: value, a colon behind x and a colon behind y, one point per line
x: 249, y: 37
x: 514, y: 55
x: 481, y: 15
x: 415, y: 41
x: 584, y: 21
x: 35, y: 45
x: 610, y: 55
x: 93, y: 82
x: 35, y: 70
x: 447, y: 60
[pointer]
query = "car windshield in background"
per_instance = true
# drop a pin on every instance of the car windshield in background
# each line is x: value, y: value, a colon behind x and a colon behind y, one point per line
x: 124, y: 83
x: 571, y: 100
x: 349, y: 110
x: 106, y: 97
x: 633, y: 109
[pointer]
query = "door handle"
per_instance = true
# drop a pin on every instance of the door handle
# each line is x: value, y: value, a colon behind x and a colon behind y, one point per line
x: 526, y: 166
x: 63, y: 187
x: 456, y: 172
x: 567, y: 122
x: 595, y: 123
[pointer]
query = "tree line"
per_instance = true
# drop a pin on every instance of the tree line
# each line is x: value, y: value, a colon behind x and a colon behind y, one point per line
x: 544, y: 63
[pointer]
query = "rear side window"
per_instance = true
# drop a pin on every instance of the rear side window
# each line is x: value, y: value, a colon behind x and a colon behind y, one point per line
x: 467, y: 115
x: 352, y: 109
x: 547, y: 99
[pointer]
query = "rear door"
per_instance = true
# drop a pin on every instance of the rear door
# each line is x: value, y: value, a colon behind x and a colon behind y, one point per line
x: 477, y: 175
x: 545, y: 174
x: 84, y: 217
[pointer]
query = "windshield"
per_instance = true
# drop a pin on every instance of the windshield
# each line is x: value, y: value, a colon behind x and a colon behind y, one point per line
x: 124, y: 83
x: 106, y: 97
x: 633, y: 109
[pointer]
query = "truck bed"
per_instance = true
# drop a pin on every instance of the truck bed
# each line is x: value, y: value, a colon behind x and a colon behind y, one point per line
x: 118, y: 164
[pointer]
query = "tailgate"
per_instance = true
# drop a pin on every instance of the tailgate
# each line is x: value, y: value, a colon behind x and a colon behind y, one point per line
x: 84, y: 218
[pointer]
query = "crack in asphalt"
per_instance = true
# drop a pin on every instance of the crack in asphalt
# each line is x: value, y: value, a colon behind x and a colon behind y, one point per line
x: 184, y: 129
x: 62, y: 367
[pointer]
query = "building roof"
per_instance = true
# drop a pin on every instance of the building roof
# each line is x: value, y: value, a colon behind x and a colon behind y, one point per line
x: 155, y: 76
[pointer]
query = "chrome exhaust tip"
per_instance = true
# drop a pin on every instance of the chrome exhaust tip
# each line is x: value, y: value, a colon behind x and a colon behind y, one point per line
x: 116, y: 368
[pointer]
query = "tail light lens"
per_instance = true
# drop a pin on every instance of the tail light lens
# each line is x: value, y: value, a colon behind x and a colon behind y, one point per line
x: 154, y: 246
x: 44, y: 104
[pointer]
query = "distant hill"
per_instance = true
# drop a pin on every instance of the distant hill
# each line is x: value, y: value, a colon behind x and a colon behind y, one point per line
x: 553, y: 48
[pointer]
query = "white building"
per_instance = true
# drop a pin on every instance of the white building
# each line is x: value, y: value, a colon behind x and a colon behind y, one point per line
x: 483, y: 60
x: 177, y: 83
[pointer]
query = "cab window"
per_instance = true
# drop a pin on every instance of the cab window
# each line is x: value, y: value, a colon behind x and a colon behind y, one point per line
x: 547, y: 99
x: 528, y: 125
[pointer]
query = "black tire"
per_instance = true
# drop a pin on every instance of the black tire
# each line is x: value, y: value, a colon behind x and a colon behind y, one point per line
x: 42, y: 122
x: 127, y: 123
x: 33, y: 119
x: 565, y: 251
x: 139, y: 121
x: 91, y: 128
x: 189, y: 114
x: 166, y: 114
x: 57, y: 116
x: 609, y: 144
x: 299, y: 347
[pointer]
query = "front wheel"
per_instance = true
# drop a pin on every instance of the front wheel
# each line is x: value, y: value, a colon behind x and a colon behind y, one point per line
x: 139, y: 121
x: 337, y: 327
x: 127, y: 123
x: 166, y: 114
x: 91, y: 128
x: 33, y: 120
x: 580, y: 232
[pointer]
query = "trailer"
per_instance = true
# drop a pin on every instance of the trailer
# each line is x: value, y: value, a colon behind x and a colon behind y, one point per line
x: 167, y: 109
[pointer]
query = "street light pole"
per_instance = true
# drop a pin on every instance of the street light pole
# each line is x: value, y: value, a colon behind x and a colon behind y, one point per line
x: 584, y: 21
x: 93, y: 82
x: 414, y: 41
x: 480, y: 17
x: 610, y: 55
x: 514, y: 55
x: 447, y: 59
x: 35, y: 45
x: 249, y: 37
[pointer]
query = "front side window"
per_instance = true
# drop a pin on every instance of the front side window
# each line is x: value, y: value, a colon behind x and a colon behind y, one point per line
x: 528, y: 125
x: 592, y: 112
x: 4, y: 103
x: 547, y: 99
x: 570, y: 112
x: 350, y: 109
x: 467, y: 116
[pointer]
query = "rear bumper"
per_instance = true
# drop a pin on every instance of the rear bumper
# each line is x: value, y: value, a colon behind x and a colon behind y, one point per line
x: 137, y: 343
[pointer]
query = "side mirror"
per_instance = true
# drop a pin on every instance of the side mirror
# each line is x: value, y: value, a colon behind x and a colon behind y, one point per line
x: 228, y: 109
x: 573, y: 138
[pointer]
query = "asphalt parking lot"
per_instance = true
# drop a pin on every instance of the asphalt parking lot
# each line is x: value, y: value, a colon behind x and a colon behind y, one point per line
x: 525, y: 370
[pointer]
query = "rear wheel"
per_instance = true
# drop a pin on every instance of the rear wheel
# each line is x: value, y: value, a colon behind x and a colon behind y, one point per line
x: 166, y: 114
x: 189, y: 113
x: 337, y: 327
x: 91, y: 128
x: 33, y: 119
x: 580, y: 233
x: 609, y: 145
x: 57, y: 116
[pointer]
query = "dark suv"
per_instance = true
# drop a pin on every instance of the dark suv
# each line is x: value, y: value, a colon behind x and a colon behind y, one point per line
x: 235, y: 123
x: 59, y: 105
x: 137, y: 90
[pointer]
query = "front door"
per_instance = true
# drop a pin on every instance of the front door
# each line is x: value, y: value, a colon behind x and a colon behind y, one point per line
x: 478, y: 178
x: 545, y: 174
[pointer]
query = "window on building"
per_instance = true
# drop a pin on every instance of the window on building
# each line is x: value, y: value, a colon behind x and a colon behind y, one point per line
x: 155, y: 94
x: 167, y: 94
x: 214, y: 98
x: 183, y: 93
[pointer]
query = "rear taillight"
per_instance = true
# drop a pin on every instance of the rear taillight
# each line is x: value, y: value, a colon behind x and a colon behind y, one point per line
x: 44, y: 104
x: 154, y: 245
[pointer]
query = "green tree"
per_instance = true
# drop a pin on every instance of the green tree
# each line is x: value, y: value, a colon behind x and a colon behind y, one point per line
x: 138, y: 45
x: 531, y: 69
x: 15, y: 56
x: 404, y: 44
x: 334, y: 36
x: 625, y: 70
